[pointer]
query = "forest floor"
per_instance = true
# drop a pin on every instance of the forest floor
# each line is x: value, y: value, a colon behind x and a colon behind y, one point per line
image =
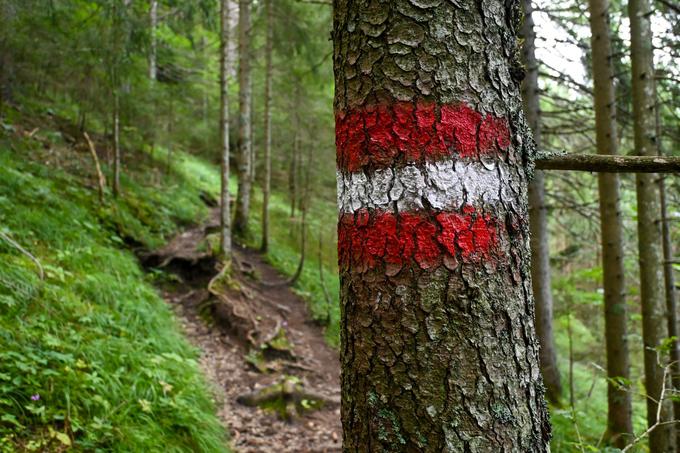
x: 225, y: 351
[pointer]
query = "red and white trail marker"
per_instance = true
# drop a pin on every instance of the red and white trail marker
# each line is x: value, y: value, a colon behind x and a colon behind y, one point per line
x: 420, y: 184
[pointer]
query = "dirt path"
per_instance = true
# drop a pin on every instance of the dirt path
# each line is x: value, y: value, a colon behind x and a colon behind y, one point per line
x: 223, y: 353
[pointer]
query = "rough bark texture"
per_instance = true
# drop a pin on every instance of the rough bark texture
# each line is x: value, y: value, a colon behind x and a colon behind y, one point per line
x: 266, y: 184
x: 225, y: 212
x: 609, y: 164
x: 649, y: 224
x: 244, y: 126
x: 538, y: 216
x: 619, y: 425
x: 439, y: 351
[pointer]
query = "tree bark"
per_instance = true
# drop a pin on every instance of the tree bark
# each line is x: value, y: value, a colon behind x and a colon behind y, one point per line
x: 266, y: 183
x: 609, y: 164
x: 225, y: 212
x: 538, y: 216
x: 671, y: 305
x: 244, y: 127
x: 619, y: 424
x: 153, y: 48
x: 654, y: 323
x: 439, y: 351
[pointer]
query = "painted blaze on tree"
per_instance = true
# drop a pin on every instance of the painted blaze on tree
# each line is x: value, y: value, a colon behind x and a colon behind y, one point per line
x: 439, y: 351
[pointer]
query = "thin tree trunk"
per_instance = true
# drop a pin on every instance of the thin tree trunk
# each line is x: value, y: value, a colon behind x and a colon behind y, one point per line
x: 538, y: 216
x: 116, y: 142
x: 306, y: 198
x: 619, y: 425
x: 225, y: 213
x: 266, y: 183
x: 153, y: 19
x: 244, y: 127
x: 671, y: 305
x: 253, y: 149
x: 170, y: 128
x: 439, y: 350
x: 654, y: 322
x: 294, y: 165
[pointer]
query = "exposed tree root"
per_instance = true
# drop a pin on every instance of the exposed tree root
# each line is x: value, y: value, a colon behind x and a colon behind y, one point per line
x: 287, y: 398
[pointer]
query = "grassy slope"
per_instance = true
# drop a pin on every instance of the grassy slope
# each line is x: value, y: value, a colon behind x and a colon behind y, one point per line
x: 92, y: 355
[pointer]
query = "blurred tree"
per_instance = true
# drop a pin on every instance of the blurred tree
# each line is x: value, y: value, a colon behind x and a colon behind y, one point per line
x: 538, y: 217
x: 245, y: 120
x: 654, y: 326
x: 619, y: 424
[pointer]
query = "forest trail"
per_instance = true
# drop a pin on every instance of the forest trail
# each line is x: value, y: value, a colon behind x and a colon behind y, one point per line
x: 224, y: 350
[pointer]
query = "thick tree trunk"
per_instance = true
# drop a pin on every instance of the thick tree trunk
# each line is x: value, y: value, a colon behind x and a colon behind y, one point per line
x: 266, y: 183
x: 671, y: 305
x: 225, y: 212
x: 244, y: 127
x: 654, y: 323
x: 538, y: 216
x: 153, y: 48
x: 439, y: 351
x: 619, y: 425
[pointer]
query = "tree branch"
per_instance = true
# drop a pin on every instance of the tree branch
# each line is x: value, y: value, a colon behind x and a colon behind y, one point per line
x: 608, y: 164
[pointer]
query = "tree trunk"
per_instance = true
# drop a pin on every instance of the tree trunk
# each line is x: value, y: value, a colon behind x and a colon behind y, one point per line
x: 294, y: 162
x: 619, y: 425
x: 153, y: 19
x: 116, y: 142
x: 244, y: 126
x: 225, y: 213
x: 253, y: 149
x: 671, y: 306
x: 439, y: 351
x: 654, y: 323
x: 266, y: 183
x: 538, y: 216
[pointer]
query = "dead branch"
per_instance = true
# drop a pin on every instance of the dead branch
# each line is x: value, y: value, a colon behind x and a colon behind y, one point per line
x: 101, y: 180
x: 608, y: 163
x: 17, y: 246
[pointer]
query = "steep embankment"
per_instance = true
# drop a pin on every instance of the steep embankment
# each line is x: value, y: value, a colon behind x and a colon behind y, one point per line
x: 90, y: 356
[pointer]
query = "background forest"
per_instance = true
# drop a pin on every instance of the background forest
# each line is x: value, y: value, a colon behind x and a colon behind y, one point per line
x: 92, y: 359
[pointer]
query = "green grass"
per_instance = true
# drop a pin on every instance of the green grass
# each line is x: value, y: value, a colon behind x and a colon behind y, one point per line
x: 91, y: 355
x: 284, y: 254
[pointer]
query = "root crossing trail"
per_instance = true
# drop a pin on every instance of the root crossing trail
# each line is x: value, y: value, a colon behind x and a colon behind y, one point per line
x: 224, y: 351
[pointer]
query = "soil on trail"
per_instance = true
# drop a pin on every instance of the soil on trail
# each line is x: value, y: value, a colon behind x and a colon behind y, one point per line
x: 224, y: 349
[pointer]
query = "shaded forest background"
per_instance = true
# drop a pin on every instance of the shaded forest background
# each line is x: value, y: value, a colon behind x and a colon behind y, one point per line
x: 64, y: 65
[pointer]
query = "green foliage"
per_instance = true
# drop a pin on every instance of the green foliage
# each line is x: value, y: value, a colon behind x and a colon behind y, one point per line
x: 91, y: 356
x: 284, y: 254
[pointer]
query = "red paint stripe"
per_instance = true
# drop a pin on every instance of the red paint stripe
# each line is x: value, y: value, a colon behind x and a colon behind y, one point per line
x: 381, y: 135
x: 367, y: 239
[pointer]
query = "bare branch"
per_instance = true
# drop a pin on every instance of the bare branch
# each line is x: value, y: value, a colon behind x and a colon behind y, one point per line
x: 608, y: 163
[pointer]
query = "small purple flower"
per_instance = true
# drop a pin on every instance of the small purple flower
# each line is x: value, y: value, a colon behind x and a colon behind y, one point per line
x: 35, y: 397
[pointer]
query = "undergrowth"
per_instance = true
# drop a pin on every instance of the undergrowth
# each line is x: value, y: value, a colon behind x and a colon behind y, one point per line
x: 91, y: 358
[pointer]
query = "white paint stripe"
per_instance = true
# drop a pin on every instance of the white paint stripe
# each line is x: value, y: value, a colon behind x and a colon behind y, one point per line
x: 445, y: 185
